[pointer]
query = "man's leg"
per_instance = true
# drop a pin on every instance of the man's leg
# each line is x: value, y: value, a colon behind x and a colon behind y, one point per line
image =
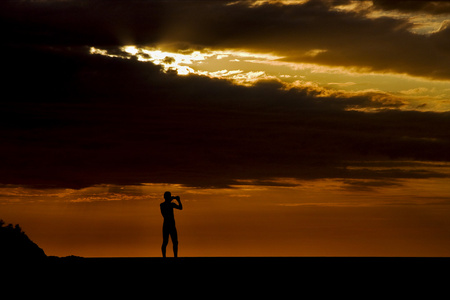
x: 174, y: 237
x: 165, y: 241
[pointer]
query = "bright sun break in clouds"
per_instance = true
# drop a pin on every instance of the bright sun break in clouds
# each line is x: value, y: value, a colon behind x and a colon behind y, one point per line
x: 183, y: 64
x: 179, y: 62
x: 246, y: 68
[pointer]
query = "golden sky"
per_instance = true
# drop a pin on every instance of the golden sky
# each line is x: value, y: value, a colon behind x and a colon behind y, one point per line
x: 293, y: 218
x: 288, y: 128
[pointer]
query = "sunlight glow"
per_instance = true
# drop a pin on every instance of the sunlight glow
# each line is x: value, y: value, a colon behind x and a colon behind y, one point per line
x: 284, y: 2
x: 247, y: 68
x: 181, y: 62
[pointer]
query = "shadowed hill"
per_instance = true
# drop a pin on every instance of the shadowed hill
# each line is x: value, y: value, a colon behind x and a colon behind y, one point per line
x: 15, y: 244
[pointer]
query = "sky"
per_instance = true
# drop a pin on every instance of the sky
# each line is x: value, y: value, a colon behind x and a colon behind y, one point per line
x: 288, y: 128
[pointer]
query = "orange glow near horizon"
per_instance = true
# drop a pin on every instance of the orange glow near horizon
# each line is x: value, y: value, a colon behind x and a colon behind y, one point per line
x: 308, y: 218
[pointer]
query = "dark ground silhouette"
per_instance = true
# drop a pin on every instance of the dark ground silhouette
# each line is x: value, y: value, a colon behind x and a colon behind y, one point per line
x: 16, y: 245
x: 237, y: 277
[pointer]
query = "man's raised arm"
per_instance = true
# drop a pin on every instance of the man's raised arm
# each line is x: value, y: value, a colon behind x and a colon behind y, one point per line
x: 179, y: 205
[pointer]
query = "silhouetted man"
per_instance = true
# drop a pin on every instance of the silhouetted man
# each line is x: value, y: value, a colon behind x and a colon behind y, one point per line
x: 169, y: 222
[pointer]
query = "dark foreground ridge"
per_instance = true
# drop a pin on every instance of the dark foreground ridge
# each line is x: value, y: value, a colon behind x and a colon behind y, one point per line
x: 29, y: 272
x: 257, y: 264
x: 16, y: 245
x: 238, y: 277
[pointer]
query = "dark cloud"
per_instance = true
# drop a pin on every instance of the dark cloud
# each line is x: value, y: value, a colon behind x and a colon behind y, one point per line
x: 349, y: 38
x: 423, y: 6
x: 70, y: 119
x: 367, y: 185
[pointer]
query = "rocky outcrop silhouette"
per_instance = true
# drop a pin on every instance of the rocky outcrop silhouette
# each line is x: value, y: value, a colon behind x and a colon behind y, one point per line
x: 15, y: 244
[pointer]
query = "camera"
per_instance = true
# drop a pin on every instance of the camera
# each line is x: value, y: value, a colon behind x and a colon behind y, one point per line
x: 176, y: 198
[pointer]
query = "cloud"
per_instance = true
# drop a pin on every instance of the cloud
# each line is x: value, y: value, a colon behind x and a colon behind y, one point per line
x: 314, y: 33
x: 307, y: 32
x: 424, y: 6
x: 73, y: 119
x: 362, y: 185
x: 415, y: 91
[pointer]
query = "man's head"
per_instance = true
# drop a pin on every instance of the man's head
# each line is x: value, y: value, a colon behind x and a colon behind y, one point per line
x: 168, y: 196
